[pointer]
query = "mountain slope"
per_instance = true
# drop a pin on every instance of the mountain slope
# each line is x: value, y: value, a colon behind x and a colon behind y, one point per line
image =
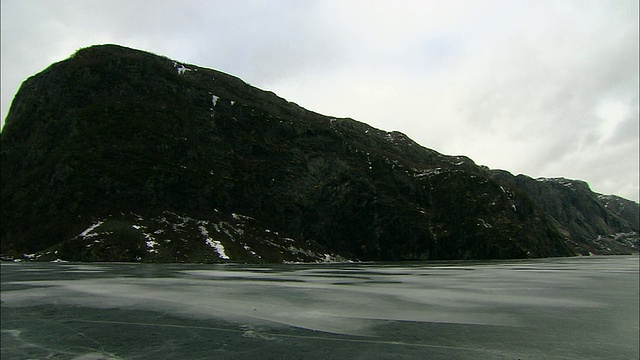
x: 119, y: 154
x: 594, y: 223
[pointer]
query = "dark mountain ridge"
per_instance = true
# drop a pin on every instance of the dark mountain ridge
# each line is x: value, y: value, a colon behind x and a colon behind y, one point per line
x: 121, y: 155
x: 595, y: 223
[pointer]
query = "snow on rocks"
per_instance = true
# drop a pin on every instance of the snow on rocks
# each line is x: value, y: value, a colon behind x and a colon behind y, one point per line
x: 241, y: 217
x: 151, y: 244
x: 250, y: 250
x: 215, y: 244
x: 89, y: 231
x: 146, y: 235
x: 227, y: 229
x: 426, y: 172
x: 180, y: 68
x: 396, y: 138
x: 227, y: 237
x: 484, y: 223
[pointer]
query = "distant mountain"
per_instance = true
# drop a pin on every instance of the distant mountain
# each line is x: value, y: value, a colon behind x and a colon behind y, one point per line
x: 593, y: 223
x: 121, y: 155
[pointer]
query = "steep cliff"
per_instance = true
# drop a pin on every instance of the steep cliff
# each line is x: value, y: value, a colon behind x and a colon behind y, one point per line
x: 119, y: 154
x: 594, y: 223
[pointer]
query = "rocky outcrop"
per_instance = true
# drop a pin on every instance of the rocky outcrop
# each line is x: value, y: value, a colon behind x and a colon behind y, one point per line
x: 594, y: 223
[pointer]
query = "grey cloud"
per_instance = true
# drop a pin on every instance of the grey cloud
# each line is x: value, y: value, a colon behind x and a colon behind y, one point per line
x: 627, y: 130
x: 545, y: 93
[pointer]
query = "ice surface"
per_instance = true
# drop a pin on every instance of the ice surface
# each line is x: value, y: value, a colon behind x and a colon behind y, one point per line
x: 536, y: 309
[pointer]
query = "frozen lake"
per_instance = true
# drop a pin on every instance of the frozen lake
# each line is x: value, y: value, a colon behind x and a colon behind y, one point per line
x: 567, y: 308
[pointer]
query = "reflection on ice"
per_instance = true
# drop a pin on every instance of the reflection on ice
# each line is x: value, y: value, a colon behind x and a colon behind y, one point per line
x: 349, y: 300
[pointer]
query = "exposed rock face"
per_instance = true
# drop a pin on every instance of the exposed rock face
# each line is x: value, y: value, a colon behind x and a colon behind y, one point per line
x: 594, y: 223
x: 121, y: 155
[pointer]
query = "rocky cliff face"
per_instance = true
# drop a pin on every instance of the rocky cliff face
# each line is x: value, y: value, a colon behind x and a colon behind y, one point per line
x: 121, y: 155
x: 594, y: 223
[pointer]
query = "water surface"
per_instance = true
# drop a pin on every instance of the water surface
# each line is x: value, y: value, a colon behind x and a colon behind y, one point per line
x: 568, y: 308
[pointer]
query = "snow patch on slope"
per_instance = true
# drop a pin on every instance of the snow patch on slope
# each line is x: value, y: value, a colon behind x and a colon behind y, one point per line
x: 215, y: 244
x: 180, y: 68
x: 88, y: 232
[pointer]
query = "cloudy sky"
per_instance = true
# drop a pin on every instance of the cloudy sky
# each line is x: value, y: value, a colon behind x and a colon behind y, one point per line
x: 543, y: 88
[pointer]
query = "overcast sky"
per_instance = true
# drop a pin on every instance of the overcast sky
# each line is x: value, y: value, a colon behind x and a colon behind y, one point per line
x: 543, y: 88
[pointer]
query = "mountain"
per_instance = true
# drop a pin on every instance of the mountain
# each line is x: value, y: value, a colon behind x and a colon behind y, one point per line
x: 117, y: 154
x: 594, y: 223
